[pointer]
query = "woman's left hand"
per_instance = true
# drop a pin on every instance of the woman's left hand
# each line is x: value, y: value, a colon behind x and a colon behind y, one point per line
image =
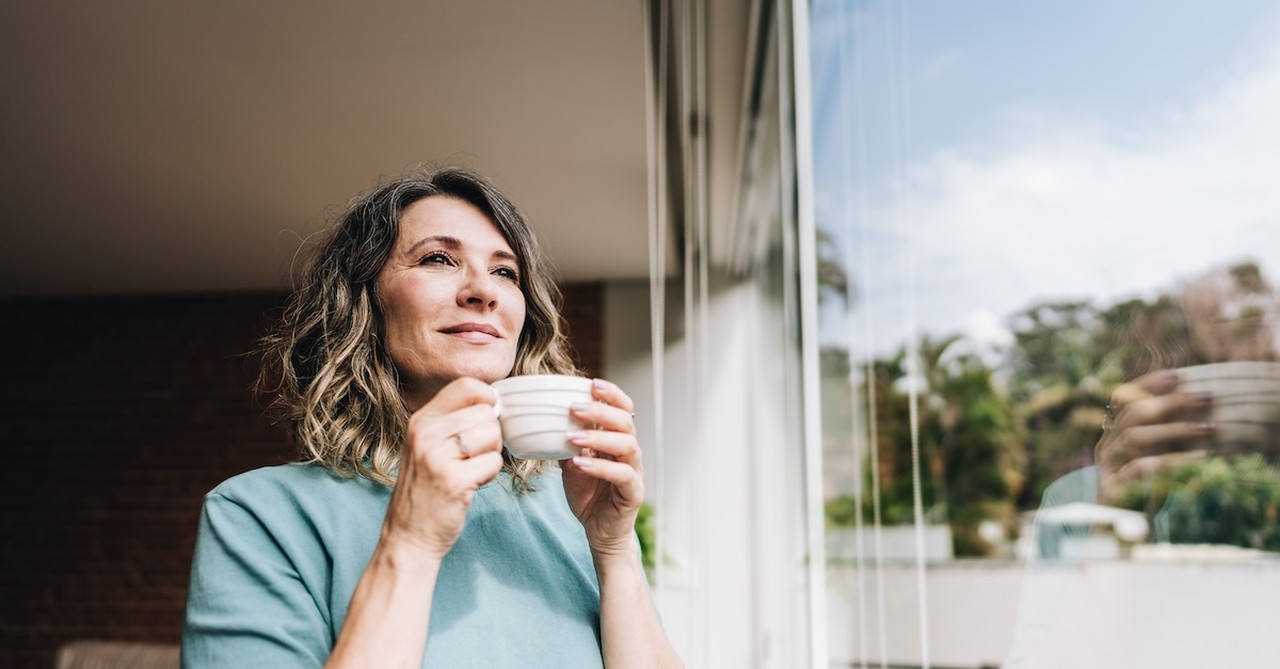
x: 1154, y: 427
x: 605, y: 484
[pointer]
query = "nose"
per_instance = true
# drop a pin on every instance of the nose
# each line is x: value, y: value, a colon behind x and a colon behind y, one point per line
x: 478, y: 289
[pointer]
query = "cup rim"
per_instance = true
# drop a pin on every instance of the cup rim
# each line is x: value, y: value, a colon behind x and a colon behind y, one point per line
x: 1234, y: 369
x: 531, y: 382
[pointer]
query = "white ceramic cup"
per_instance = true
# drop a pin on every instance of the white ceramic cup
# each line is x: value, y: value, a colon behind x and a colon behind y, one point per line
x: 534, y: 413
x: 1246, y: 404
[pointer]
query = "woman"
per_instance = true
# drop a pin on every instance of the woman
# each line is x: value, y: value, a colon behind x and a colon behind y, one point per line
x: 409, y: 537
x: 1156, y: 424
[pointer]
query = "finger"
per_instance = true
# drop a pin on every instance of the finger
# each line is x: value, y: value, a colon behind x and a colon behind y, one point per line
x: 605, y: 416
x: 612, y: 395
x: 625, y: 478
x: 483, y: 437
x: 1126, y: 394
x: 462, y: 392
x: 1144, y: 387
x: 423, y: 425
x: 480, y: 469
x: 1163, y: 409
x: 1157, y: 382
x: 620, y: 446
x: 1149, y: 440
x: 1165, y: 437
x: 457, y: 478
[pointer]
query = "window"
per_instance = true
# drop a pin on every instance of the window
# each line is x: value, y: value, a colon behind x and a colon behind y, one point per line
x: 1021, y: 208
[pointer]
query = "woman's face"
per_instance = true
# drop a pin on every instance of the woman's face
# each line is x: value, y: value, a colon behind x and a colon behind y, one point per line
x: 450, y: 297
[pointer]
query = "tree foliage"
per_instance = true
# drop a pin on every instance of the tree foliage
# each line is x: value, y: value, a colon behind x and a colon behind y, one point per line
x: 967, y: 435
x: 993, y: 433
x: 1222, y: 500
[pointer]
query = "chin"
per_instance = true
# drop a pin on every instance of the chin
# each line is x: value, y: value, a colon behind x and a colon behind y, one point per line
x: 488, y: 373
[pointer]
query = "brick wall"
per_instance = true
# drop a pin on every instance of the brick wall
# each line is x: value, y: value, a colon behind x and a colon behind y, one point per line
x: 116, y: 416
x: 584, y: 311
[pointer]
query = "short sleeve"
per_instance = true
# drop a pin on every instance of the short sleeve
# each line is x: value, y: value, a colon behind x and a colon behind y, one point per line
x: 1045, y: 584
x: 247, y: 605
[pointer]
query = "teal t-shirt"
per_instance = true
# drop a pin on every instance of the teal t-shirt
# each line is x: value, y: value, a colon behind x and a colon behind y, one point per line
x: 280, y: 549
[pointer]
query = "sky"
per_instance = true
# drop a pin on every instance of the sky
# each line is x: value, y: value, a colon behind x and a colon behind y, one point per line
x: 974, y: 158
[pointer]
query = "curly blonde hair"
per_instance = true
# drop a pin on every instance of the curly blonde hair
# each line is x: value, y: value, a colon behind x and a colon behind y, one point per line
x: 325, y: 364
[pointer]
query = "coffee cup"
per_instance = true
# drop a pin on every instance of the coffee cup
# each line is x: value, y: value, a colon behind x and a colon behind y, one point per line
x: 534, y: 413
x: 1245, y: 413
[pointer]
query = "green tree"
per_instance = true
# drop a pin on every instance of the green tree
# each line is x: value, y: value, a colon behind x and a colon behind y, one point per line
x: 1213, y: 500
x: 970, y: 449
x: 1057, y: 382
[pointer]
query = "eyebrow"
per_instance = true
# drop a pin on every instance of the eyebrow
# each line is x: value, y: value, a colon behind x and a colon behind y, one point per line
x: 454, y: 243
x: 443, y: 240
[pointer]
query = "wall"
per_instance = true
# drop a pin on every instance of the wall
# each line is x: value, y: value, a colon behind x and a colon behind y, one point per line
x: 116, y: 416
x: 1101, y: 614
x: 722, y: 488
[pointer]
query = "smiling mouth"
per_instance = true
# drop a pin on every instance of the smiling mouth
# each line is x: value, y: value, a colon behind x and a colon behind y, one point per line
x: 470, y: 330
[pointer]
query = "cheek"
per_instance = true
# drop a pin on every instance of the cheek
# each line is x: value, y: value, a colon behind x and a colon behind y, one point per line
x: 399, y: 312
x: 520, y: 316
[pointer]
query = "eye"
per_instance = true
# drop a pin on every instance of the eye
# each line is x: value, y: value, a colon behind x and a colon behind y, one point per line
x: 507, y: 273
x: 436, y: 258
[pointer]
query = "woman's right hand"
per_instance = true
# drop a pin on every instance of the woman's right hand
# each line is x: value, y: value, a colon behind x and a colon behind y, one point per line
x: 1153, y: 423
x: 453, y: 445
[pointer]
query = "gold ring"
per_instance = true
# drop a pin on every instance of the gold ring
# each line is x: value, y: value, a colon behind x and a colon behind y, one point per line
x: 462, y: 446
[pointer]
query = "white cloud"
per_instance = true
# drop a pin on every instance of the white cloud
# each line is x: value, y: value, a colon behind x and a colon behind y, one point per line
x: 1061, y: 208
x: 985, y: 329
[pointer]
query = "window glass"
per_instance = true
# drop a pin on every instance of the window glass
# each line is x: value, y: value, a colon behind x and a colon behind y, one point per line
x: 1037, y: 221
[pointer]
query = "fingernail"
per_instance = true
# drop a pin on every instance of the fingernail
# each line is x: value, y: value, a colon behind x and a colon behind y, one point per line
x: 1202, y: 397
x: 1205, y: 428
x: 580, y: 407
x: 582, y: 462
x: 598, y: 384
x: 575, y: 435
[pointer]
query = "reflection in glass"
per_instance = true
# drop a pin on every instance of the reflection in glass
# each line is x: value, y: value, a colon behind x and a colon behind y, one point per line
x: 1051, y: 366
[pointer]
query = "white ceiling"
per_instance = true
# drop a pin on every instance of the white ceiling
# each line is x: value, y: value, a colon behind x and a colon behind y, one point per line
x: 166, y: 146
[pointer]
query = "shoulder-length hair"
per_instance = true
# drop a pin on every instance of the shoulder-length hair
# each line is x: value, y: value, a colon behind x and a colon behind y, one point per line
x: 326, y: 364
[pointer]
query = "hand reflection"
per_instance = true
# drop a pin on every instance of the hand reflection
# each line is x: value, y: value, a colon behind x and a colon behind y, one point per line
x: 1166, y: 417
x: 1153, y: 426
